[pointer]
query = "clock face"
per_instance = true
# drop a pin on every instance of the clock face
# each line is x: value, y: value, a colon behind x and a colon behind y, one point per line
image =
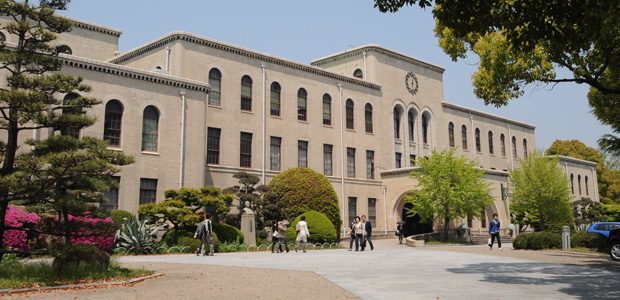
x: 411, y: 81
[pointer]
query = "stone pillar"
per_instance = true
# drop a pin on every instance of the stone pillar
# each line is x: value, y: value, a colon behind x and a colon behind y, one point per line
x: 248, y: 227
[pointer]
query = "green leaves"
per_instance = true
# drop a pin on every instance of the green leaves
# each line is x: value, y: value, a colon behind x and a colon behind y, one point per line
x: 540, y: 195
x: 450, y: 188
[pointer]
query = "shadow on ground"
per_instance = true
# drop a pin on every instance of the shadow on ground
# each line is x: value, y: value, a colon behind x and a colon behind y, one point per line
x: 580, y: 282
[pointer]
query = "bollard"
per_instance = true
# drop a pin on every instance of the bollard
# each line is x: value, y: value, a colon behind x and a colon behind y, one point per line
x: 565, y: 238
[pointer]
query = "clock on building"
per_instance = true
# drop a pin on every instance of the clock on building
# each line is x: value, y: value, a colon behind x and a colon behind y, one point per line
x: 411, y: 81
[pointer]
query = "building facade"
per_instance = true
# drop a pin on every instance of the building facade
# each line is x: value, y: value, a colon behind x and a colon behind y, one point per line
x: 193, y: 111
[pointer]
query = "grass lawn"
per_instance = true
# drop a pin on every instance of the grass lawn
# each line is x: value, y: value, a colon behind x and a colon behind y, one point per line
x: 23, y: 274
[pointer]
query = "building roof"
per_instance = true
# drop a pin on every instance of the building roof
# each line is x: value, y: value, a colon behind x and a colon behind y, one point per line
x: 94, y: 27
x: 576, y: 160
x: 487, y: 115
x: 376, y: 49
x: 211, y: 43
x: 129, y: 72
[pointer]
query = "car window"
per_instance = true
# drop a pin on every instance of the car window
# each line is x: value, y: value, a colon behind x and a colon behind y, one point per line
x: 601, y: 227
x: 614, y: 226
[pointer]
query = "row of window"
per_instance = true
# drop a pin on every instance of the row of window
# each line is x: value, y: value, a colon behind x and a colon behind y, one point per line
x: 411, y: 116
x: 572, y: 184
x: 148, y: 193
x: 372, y: 209
x: 275, y: 154
x: 275, y: 101
x: 113, y: 121
x: 502, y: 141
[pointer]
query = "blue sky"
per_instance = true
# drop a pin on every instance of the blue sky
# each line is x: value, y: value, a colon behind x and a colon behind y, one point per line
x: 305, y: 30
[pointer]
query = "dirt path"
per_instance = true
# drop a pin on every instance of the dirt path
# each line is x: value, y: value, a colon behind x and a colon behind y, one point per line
x: 213, y: 282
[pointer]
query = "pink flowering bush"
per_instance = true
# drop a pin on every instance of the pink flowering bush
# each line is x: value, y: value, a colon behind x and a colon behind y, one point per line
x: 95, y: 231
x: 17, y: 218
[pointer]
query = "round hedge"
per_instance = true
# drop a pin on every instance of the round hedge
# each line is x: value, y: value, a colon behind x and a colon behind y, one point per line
x: 538, y: 240
x: 118, y: 217
x: 227, y: 233
x: 321, y: 229
x: 302, y: 190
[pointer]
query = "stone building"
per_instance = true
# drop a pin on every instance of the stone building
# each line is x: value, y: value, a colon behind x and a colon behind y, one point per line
x: 193, y: 111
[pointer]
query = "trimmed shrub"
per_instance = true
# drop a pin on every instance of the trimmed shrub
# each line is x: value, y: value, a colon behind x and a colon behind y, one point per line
x: 73, y: 256
x: 118, y: 216
x: 612, y: 211
x: 321, y: 229
x: 186, y: 239
x: 588, y: 240
x: 17, y: 218
x: 538, y: 240
x: 300, y: 190
x: 227, y: 233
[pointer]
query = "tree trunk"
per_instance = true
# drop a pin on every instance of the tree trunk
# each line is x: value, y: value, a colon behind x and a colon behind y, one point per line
x: 67, y: 228
x: 446, y: 226
x: 3, y: 209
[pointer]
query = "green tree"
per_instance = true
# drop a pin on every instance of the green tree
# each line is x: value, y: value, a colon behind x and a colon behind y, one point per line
x: 184, y: 208
x: 298, y: 190
x: 450, y: 188
x: 247, y: 190
x: 522, y: 42
x: 608, y: 180
x: 30, y: 98
x: 540, y: 195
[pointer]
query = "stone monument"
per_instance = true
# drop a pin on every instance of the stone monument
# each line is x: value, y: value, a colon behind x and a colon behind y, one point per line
x: 248, y: 225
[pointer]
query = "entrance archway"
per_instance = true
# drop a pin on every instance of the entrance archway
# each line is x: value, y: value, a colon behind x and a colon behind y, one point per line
x: 413, y: 224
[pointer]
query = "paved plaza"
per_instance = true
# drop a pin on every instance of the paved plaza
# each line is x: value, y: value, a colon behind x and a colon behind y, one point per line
x: 390, y: 272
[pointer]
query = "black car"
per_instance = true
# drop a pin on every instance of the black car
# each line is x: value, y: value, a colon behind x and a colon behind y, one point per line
x: 613, y: 244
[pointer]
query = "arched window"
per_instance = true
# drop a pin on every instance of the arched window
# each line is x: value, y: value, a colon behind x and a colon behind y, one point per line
x: 327, y: 109
x: 397, y: 113
x: 2, y: 37
x: 71, y: 108
x: 150, y: 126
x: 587, y: 188
x: 368, y: 117
x: 572, y: 184
x: 246, y: 93
x: 112, y: 123
x: 524, y: 148
x: 215, y: 81
x: 349, y: 113
x: 64, y: 49
x: 275, y: 99
x: 411, y: 125
x: 478, y: 143
x: 464, y: 137
x: 491, y: 150
x: 426, y: 122
x: 451, y: 134
x: 579, y: 183
x: 302, y: 104
x: 514, y: 147
x: 502, y: 144
x: 358, y: 73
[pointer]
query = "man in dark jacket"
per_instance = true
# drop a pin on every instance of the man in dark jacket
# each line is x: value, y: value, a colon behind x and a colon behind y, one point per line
x: 204, y: 231
x: 367, y: 233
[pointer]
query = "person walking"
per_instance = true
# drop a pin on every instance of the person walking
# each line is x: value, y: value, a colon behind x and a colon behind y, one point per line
x: 302, y: 233
x: 358, y: 228
x: 400, y: 228
x: 204, y: 231
x: 494, y: 227
x: 351, y: 234
x: 282, y: 237
x: 367, y: 233
x: 274, y: 236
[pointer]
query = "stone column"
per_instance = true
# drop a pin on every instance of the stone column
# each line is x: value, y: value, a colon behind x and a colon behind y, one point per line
x: 248, y: 226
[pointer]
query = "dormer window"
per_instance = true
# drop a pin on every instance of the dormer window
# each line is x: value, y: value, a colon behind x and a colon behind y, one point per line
x: 358, y: 73
x: 64, y: 49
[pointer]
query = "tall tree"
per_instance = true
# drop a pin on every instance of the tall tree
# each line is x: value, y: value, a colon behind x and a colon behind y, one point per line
x: 450, y: 188
x: 30, y: 99
x: 249, y: 191
x: 540, y: 195
x: 608, y: 180
x: 522, y: 42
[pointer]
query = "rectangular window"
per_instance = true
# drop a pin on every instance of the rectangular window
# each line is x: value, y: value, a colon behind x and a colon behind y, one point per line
x: 213, y: 145
x: 399, y: 158
x: 370, y: 164
x: 245, y: 153
x: 275, y: 157
x: 215, y: 93
x: 301, y: 109
x: 327, y: 111
x: 412, y: 160
x: 246, y: 96
x: 351, y: 162
x: 148, y: 190
x: 112, y: 195
x: 352, y: 208
x: 327, y: 159
x: 372, y: 211
x: 302, y: 154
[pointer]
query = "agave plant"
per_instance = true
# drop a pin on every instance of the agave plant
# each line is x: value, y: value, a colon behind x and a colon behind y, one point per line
x: 137, y: 237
